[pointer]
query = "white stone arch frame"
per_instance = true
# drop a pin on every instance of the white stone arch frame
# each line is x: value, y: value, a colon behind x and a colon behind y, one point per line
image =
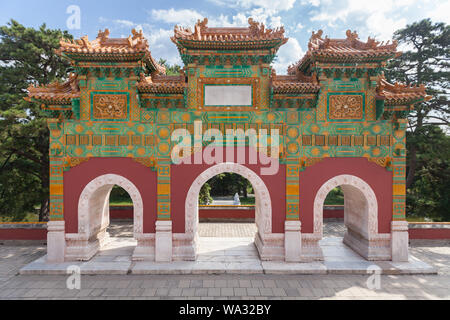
x: 110, y: 180
x: 350, y: 180
x: 263, y: 205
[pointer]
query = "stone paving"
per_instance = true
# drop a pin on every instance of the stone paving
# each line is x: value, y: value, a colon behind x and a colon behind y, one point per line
x: 234, y: 230
x: 227, y: 286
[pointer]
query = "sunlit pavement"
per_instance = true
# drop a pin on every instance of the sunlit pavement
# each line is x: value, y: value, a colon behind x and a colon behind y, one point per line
x: 227, y: 286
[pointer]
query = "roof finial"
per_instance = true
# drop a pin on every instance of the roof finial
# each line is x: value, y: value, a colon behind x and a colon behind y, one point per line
x: 103, y: 35
x: 351, y: 35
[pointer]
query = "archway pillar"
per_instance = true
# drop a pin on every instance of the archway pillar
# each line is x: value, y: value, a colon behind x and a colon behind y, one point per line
x: 163, y: 241
x: 56, y: 242
x: 399, y: 241
x: 292, y: 241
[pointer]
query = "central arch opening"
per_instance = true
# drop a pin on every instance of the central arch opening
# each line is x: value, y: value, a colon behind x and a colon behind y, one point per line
x: 263, y: 212
x: 227, y: 225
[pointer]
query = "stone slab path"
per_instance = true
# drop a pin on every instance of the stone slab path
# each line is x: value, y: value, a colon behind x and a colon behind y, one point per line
x: 218, y: 255
x: 227, y: 286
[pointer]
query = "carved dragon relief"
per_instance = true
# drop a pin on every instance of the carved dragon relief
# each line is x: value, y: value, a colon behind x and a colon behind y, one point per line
x: 346, y: 107
x: 110, y: 106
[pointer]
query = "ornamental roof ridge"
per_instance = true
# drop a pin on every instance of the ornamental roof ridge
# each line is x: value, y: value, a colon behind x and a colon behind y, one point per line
x: 316, y: 42
x: 105, y: 46
x: 135, y: 43
x: 56, y: 91
x: 400, y: 93
x: 231, y: 36
x: 297, y: 83
x: 162, y: 83
x: 350, y: 48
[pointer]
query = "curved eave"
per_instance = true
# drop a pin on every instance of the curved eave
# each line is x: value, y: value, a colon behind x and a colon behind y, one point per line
x: 104, y: 56
x: 230, y: 45
x: 161, y: 90
x: 52, y: 101
x: 402, y: 102
x: 295, y: 90
x: 342, y: 58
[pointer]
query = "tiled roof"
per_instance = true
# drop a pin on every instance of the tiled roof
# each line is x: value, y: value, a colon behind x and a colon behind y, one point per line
x: 56, y: 93
x: 342, y: 50
x: 256, y: 36
x: 294, y: 84
x: 105, y: 48
x: 162, y: 84
x: 398, y: 94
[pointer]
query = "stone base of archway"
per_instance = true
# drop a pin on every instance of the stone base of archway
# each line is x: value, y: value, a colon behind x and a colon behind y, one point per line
x: 116, y: 257
x: 375, y: 249
x: 80, y: 248
x: 270, y: 247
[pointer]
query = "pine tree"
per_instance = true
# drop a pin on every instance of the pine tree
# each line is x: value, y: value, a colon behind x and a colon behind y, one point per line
x: 27, y: 56
x: 425, y: 62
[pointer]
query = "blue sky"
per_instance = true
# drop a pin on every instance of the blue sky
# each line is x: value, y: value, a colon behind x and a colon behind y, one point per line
x: 157, y: 18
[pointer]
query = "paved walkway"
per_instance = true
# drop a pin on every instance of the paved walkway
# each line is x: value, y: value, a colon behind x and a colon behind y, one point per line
x: 227, y: 286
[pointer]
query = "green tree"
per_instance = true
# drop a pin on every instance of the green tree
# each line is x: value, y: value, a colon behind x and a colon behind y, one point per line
x: 227, y: 184
x: 27, y: 57
x: 204, y: 196
x: 425, y: 62
x: 171, y: 70
x: 428, y: 196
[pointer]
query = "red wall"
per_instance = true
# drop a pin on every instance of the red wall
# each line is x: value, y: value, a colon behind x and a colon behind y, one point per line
x: 379, y: 179
x: 333, y: 213
x: 127, y: 213
x: 76, y: 179
x: 183, y: 175
x: 429, y: 233
x: 23, y: 234
x: 226, y: 213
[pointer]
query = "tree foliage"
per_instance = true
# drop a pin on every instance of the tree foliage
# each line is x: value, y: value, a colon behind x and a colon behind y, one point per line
x: 171, y: 70
x: 426, y: 61
x: 225, y: 184
x: 428, y: 196
x: 27, y: 56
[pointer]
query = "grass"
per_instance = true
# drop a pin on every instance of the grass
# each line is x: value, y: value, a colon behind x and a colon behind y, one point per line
x: 29, y: 217
x: 120, y: 203
x: 248, y: 201
x: 418, y: 219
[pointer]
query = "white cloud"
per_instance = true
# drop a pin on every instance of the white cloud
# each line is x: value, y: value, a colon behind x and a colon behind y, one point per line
x: 314, y: 3
x: 288, y: 54
x: 383, y: 27
x: 125, y: 23
x: 160, y: 44
x: 275, y: 22
x: 239, y: 20
x: 278, y: 5
x: 381, y: 18
x: 184, y: 17
x: 440, y: 12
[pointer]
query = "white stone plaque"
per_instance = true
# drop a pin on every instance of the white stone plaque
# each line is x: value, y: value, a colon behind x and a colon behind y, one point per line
x: 228, y: 95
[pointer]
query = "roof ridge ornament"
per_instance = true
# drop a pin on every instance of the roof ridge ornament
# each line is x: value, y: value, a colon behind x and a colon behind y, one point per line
x: 351, y: 36
x: 103, y: 35
x: 255, y: 36
x: 200, y: 27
